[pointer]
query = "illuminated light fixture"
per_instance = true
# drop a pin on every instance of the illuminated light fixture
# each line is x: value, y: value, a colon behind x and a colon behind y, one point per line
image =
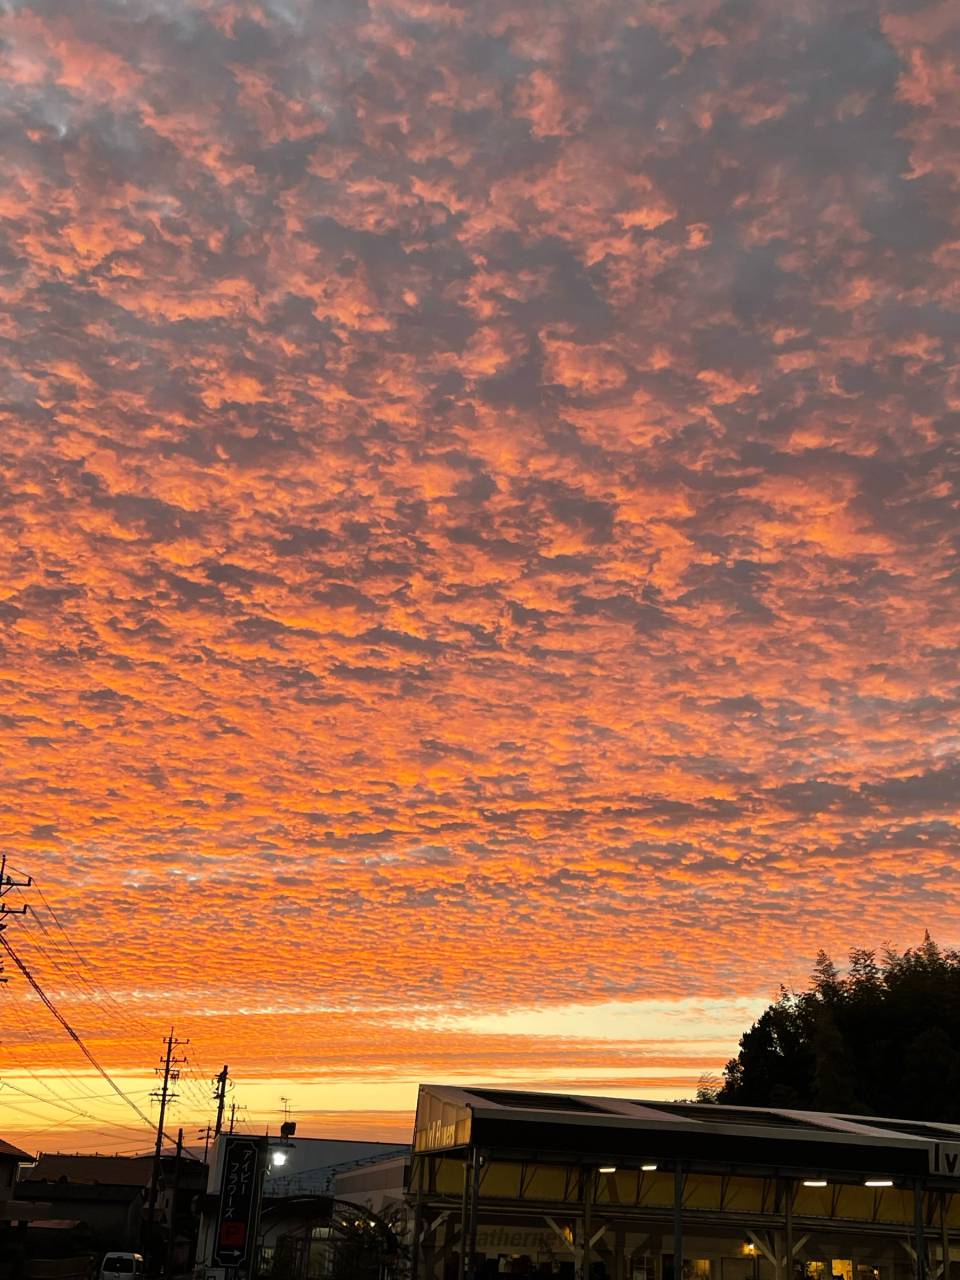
x: 878, y: 1182
x: 278, y: 1157
x: 814, y: 1182
x: 608, y: 1168
x: 649, y: 1168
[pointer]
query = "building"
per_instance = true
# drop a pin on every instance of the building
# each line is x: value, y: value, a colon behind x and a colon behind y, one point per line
x: 108, y: 1196
x: 107, y: 1193
x: 11, y: 1158
x: 596, y: 1188
x: 310, y: 1166
x: 379, y: 1184
x: 287, y: 1223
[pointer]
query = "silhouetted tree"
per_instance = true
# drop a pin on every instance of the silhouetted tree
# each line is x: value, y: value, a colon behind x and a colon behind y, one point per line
x: 882, y: 1039
x: 708, y: 1088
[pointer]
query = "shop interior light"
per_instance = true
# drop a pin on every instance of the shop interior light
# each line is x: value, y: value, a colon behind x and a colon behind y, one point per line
x: 814, y: 1182
x: 608, y: 1168
x: 878, y: 1182
x: 649, y: 1168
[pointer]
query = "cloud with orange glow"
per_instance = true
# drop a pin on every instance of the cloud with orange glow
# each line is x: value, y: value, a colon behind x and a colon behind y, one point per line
x: 480, y: 508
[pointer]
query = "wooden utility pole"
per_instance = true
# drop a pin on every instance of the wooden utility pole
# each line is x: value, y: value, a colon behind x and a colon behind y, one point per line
x: 171, y: 1230
x: 206, y: 1133
x: 221, y: 1097
x: 171, y: 1073
x: 7, y: 882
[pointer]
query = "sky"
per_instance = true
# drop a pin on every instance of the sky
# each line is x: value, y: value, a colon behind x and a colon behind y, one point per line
x: 479, y: 537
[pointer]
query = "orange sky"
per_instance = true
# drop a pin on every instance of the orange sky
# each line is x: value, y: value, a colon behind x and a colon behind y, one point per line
x: 479, y: 533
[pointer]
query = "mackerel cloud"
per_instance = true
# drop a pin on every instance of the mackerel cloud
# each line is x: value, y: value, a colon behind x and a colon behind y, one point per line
x: 479, y: 491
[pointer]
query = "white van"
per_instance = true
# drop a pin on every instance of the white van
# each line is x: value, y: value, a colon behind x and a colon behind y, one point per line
x: 122, y: 1266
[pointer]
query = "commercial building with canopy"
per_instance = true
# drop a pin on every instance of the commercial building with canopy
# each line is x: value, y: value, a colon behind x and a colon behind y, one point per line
x: 610, y: 1189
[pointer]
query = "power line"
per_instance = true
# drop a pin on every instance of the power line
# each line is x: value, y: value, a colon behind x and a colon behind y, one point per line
x: 84, y: 986
x: 25, y: 1032
x: 64, y: 1106
x: 194, y: 1079
x: 51, y: 1007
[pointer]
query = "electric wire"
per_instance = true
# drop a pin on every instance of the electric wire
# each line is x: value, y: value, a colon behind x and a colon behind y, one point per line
x: 55, y: 1012
x: 196, y: 1084
x: 40, y: 1045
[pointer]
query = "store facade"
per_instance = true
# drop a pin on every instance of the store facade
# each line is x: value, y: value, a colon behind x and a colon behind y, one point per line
x: 608, y: 1189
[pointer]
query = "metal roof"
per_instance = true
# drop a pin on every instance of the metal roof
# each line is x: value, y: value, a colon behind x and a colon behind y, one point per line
x: 506, y: 1119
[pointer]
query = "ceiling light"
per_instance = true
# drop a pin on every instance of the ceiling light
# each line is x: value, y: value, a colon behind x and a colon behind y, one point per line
x: 608, y: 1168
x: 649, y: 1168
x: 878, y: 1182
x: 814, y: 1182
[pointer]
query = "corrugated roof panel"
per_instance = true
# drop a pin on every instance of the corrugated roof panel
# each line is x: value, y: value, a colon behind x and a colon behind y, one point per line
x: 539, y: 1101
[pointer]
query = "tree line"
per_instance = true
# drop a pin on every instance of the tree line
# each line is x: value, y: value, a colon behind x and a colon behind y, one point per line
x: 881, y: 1039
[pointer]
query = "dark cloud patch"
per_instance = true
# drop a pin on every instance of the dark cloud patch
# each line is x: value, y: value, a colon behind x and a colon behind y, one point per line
x: 622, y: 608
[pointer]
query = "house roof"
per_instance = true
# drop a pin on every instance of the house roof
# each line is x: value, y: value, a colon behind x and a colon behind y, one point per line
x: 10, y: 1152
x: 113, y: 1171
x: 585, y: 1127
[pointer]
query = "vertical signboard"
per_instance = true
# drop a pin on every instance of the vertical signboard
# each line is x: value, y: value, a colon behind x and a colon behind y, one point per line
x: 239, y: 1201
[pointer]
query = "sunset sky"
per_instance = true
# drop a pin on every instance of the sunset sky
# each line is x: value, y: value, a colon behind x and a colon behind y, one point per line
x: 480, y: 536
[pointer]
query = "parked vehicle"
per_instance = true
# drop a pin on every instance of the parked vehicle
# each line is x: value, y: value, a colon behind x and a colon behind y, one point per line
x: 122, y: 1266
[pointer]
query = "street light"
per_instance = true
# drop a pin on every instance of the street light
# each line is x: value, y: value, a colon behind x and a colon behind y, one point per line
x: 280, y: 1154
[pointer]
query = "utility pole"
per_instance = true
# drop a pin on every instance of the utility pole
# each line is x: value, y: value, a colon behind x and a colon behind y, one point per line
x: 206, y: 1133
x: 233, y: 1115
x: 173, y: 1205
x: 171, y: 1073
x: 221, y: 1097
x: 7, y: 882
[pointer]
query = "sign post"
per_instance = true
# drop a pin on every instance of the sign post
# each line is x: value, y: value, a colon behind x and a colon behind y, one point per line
x: 241, y: 1184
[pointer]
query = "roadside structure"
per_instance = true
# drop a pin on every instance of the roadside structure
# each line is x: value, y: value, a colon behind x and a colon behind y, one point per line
x: 105, y: 1192
x: 259, y: 1220
x: 594, y: 1188
x: 11, y: 1159
x: 107, y: 1195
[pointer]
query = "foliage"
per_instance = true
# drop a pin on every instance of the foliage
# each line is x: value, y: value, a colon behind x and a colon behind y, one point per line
x: 884, y: 1039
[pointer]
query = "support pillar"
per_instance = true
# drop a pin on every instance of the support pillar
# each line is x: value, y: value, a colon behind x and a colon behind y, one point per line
x: 788, y: 1193
x: 417, y: 1233
x: 679, y: 1180
x: 589, y: 1176
x: 920, y: 1244
x: 944, y: 1236
x: 474, y: 1209
x: 464, y: 1215
x: 619, y: 1250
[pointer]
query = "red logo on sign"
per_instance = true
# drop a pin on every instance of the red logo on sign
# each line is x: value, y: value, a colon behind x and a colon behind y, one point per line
x: 233, y: 1235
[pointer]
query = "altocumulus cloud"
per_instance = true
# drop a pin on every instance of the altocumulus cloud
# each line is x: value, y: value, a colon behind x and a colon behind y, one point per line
x: 478, y: 475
